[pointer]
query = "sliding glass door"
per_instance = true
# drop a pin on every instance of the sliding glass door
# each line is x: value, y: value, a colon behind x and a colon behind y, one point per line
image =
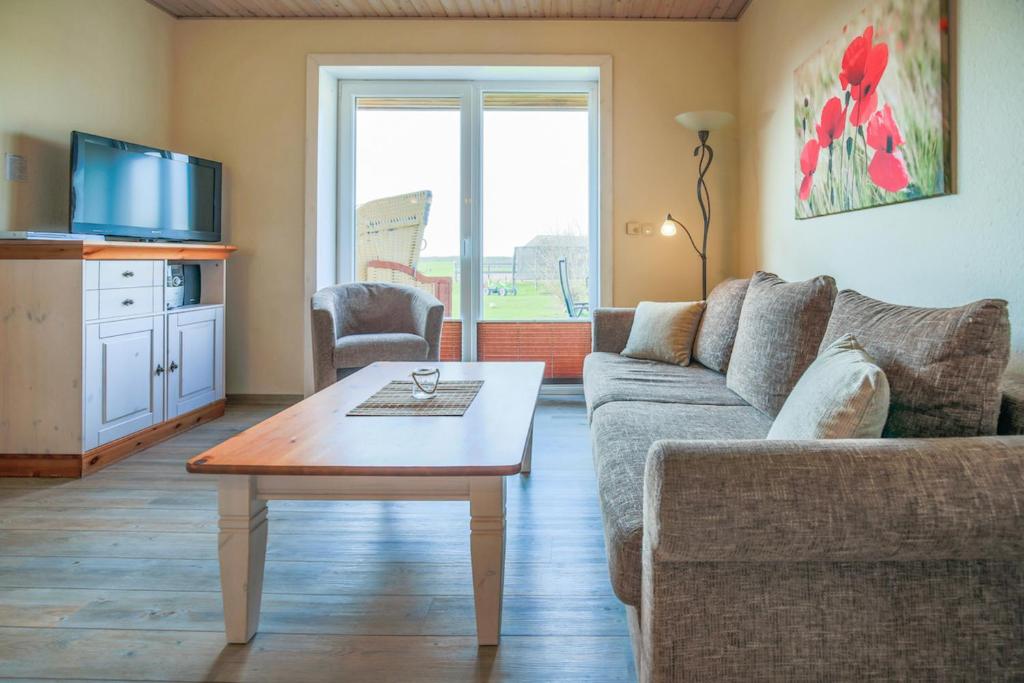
x: 483, y: 194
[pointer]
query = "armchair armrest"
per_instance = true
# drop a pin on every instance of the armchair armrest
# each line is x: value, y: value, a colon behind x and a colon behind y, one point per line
x: 427, y: 316
x: 611, y: 328
x: 325, y: 328
x: 843, y: 500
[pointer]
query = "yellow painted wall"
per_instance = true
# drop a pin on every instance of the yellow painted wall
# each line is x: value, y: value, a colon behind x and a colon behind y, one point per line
x: 935, y: 252
x: 239, y: 97
x: 99, y: 66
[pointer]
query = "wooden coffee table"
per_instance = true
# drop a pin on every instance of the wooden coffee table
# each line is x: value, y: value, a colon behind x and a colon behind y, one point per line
x: 313, y: 450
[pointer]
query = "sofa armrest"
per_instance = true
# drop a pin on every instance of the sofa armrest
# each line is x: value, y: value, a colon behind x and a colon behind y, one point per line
x: 843, y: 500
x: 611, y: 328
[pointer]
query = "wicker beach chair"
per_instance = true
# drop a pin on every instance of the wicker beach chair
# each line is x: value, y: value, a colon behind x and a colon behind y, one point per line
x: 389, y: 237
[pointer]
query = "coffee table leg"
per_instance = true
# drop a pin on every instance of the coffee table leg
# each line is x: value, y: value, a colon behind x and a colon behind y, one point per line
x: 243, y: 547
x: 487, y: 546
x: 528, y: 453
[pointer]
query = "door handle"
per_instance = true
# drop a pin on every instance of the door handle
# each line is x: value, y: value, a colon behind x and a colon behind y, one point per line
x: 172, y: 367
x: 159, y: 369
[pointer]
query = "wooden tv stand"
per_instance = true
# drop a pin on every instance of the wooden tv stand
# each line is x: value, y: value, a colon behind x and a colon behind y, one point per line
x: 92, y: 368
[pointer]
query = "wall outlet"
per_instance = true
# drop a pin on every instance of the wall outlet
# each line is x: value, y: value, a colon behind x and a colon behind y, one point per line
x: 634, y: 228
x: 15, y: 168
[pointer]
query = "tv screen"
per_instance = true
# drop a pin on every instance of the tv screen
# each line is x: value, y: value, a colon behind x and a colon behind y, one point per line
x: 124, y: 189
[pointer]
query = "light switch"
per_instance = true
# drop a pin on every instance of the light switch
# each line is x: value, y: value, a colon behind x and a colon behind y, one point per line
x: 15, y: 168
x: 647, y: 229
x: 633, y: 228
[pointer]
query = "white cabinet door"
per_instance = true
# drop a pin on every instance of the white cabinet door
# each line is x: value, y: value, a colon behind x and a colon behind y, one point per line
x: 124, y: 381
x: 195, y: 359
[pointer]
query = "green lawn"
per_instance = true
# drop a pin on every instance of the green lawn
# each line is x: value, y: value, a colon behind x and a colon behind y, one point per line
x: 532, y: 301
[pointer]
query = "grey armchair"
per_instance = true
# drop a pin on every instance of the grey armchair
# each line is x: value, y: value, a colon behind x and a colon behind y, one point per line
x: 364, y: 322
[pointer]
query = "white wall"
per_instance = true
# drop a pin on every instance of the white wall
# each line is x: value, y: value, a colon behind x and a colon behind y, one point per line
x: 934, y: 252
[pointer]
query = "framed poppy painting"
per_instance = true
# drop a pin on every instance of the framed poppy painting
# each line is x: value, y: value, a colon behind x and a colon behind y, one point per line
x: 873, y: 111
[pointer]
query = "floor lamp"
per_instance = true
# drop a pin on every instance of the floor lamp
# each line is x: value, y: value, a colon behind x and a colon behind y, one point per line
x: 703, y: 122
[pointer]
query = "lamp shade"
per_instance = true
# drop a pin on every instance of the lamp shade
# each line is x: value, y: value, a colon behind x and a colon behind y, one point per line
x: 705, y: 120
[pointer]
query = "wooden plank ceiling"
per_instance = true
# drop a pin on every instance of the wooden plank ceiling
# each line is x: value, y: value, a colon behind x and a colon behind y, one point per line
x: 701, y: 10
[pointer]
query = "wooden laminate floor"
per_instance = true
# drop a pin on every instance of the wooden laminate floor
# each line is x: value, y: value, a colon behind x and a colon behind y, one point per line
x: 115, y: 577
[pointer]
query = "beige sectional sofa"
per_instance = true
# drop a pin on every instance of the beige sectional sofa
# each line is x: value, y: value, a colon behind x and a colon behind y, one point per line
x: 739, y: 558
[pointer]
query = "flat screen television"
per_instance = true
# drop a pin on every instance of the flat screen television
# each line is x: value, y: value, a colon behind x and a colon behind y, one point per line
x: 122, y: 189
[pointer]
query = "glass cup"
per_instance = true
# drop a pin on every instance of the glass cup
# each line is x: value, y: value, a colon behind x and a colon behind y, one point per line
x: 424, y: 382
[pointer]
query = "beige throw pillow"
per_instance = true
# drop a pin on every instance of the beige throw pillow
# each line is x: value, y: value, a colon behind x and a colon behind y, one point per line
x: 664, y: 331
x: 842, y: 395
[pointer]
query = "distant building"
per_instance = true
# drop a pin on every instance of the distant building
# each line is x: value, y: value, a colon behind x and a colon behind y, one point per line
x: 538, y: 258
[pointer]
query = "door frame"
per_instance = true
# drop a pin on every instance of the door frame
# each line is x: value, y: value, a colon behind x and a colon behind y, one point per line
x: 325, y: 71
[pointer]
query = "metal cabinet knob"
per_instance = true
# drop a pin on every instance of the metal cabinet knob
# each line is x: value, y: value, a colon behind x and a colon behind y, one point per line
x: 159, y: 369
x: 128, y: 302
x: 173, y: 366
x: 128, y: 273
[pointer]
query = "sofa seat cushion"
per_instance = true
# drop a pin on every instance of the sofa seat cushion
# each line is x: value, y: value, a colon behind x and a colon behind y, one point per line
x: 359, y: 350
x: 609, y: 377
x: 623, y: 432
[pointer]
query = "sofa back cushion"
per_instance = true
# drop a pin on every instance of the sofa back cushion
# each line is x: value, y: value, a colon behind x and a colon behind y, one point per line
x: 664, y: 331
x: 943, y: 364
x: 717, y: 332
x: 842, y: 395
x: 780, y: 328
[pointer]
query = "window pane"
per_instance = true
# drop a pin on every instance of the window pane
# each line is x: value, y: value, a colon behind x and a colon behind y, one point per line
x: 408, y: 179
x: 535, y: 206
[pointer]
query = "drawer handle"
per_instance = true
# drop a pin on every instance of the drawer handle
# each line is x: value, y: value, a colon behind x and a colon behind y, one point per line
x: 128, y: 273
x: 128, y: 302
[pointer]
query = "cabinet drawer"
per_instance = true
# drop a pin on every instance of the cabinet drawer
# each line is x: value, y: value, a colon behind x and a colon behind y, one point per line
x: 115, y: 303
x: 117, y: 274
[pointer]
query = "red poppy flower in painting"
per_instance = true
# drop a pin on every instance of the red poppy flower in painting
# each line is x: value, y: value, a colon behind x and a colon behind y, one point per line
x: 887, y: 168
x: 862, y: 68
x: 833, y: 120
x: 808, y: 165
x: 855, y: 58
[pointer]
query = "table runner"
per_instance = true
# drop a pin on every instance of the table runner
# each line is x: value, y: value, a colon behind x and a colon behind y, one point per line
x: 452, y: 399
